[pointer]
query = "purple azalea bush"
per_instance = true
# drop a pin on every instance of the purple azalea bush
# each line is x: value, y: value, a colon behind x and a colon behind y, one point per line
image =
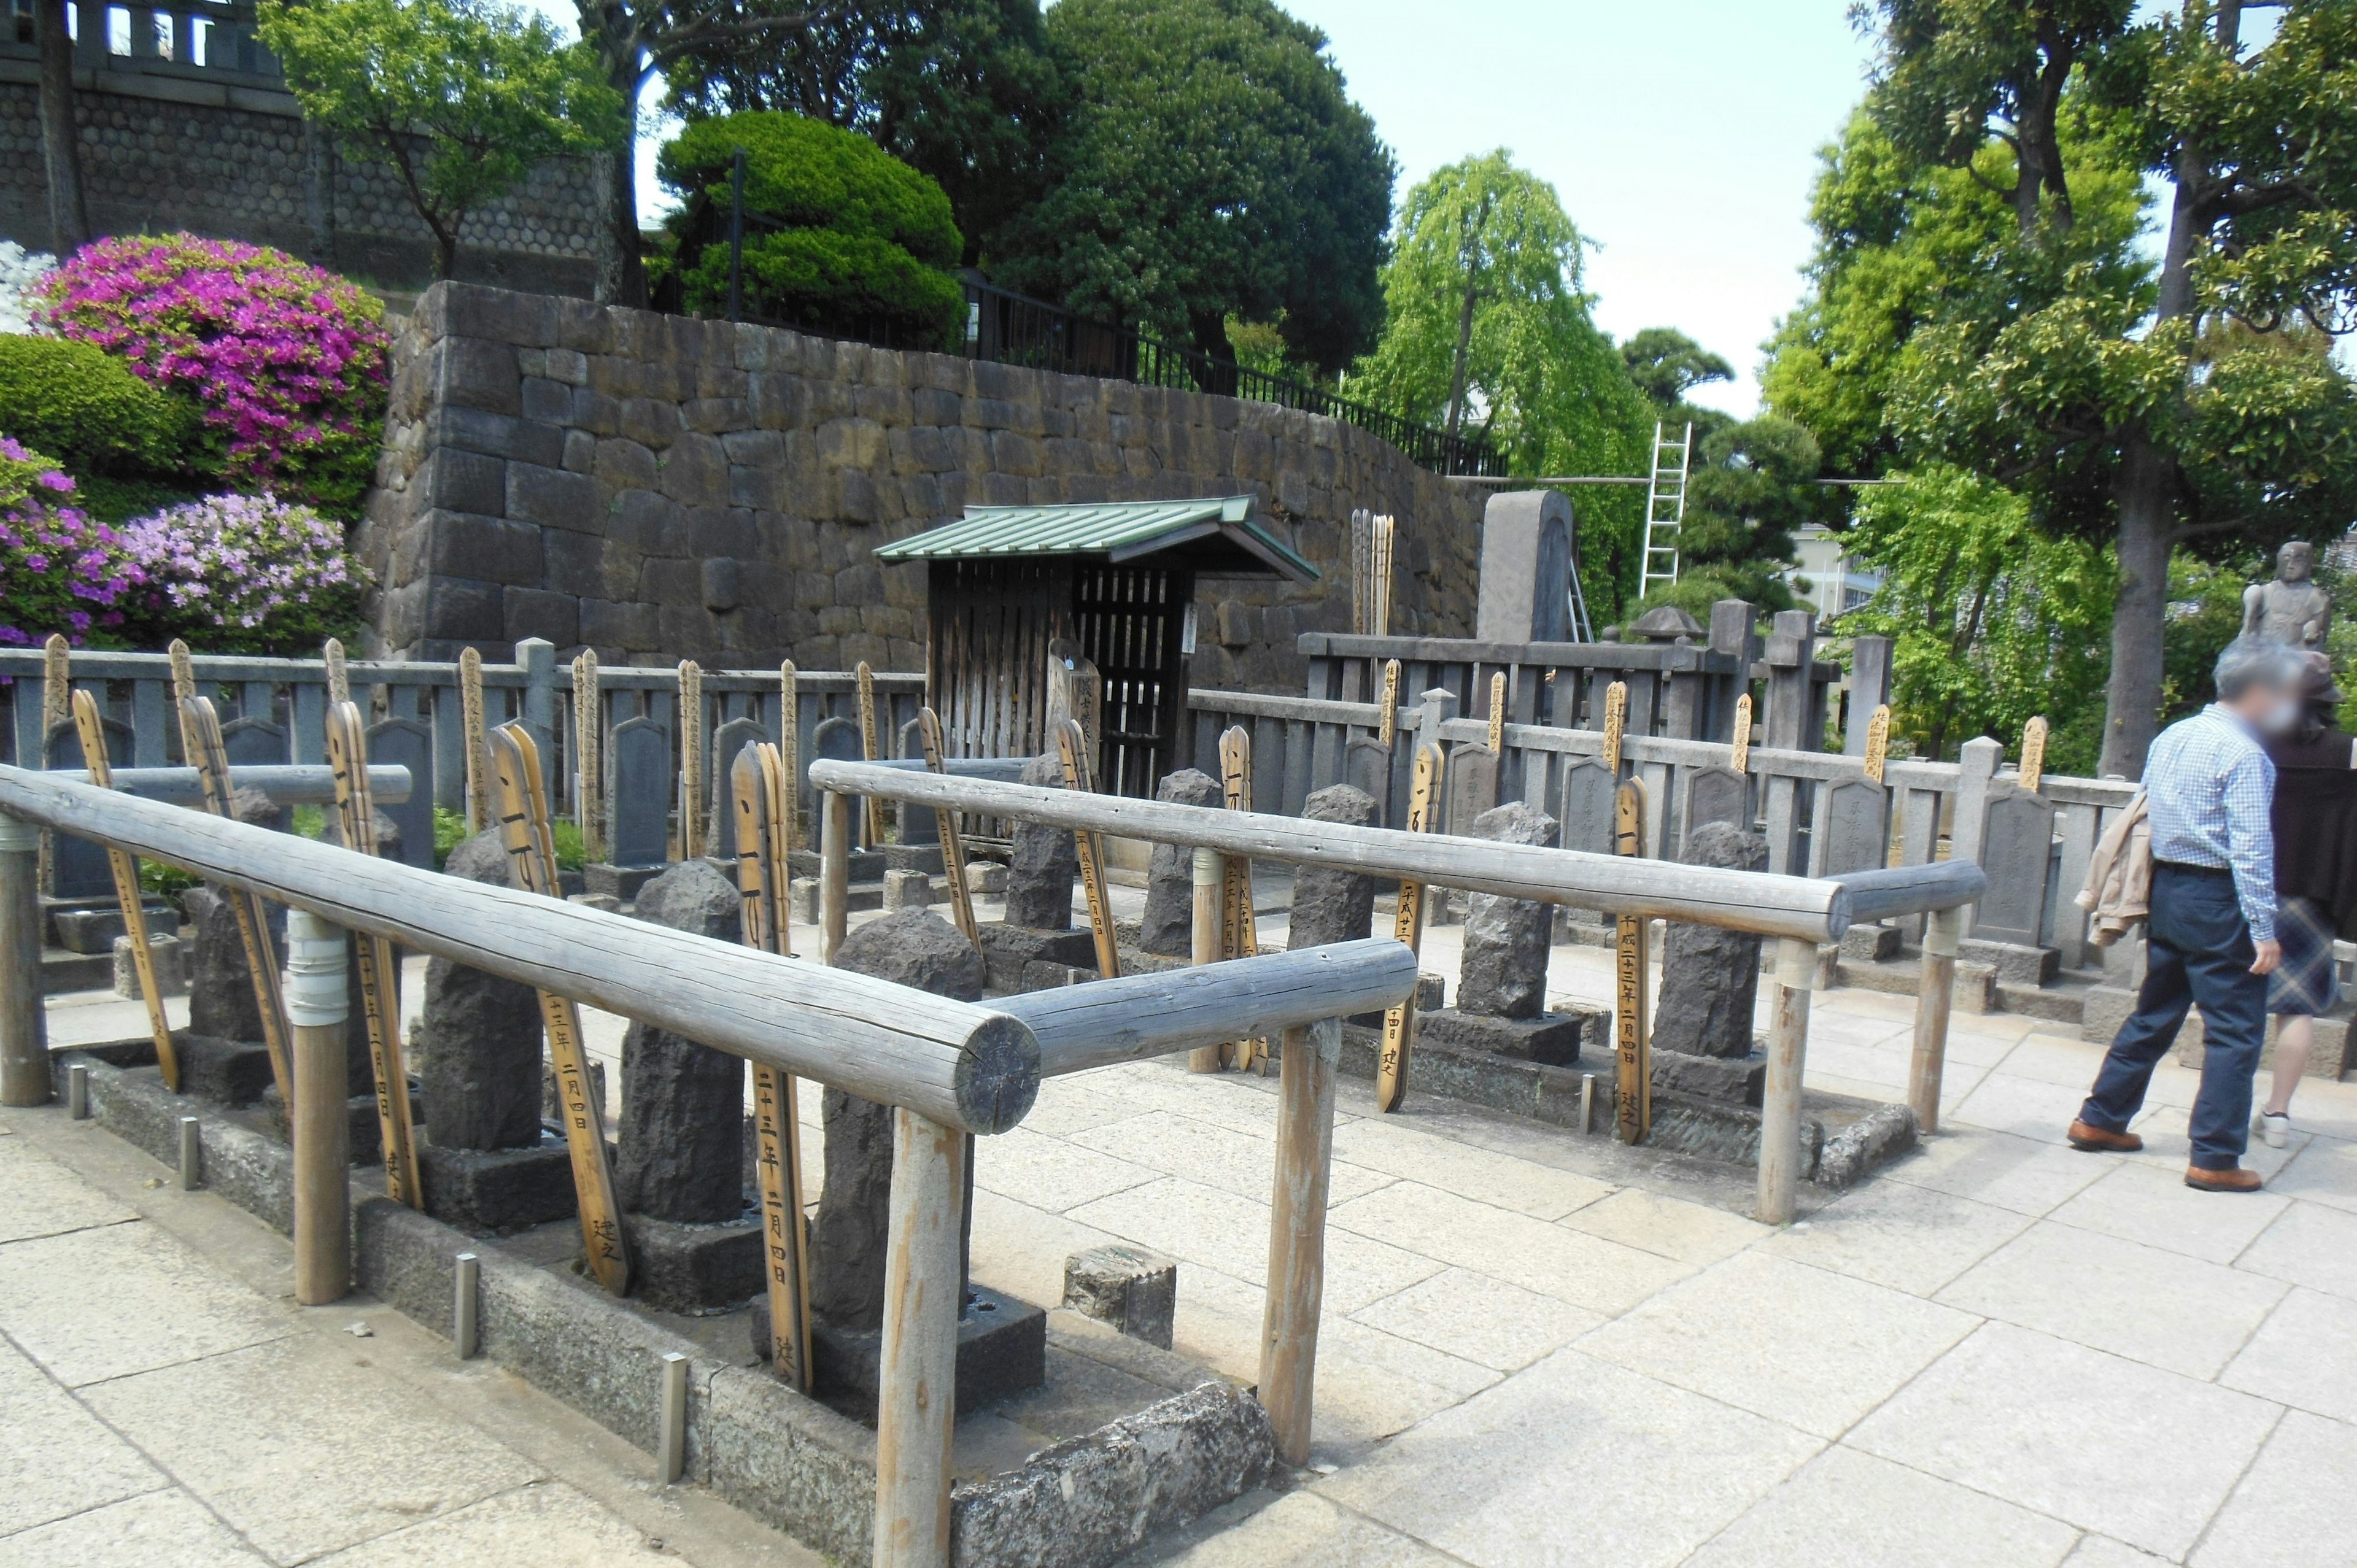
x: 244, y: 574
x: 61, y: 570
x: 285, y: 363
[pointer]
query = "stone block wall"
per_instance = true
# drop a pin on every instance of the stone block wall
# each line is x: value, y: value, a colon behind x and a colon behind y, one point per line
x: 162, y: 153
x: 661, y: 488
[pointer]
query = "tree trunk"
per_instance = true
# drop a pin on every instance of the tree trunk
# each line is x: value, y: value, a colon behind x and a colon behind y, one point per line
x: 1217, y: 373
x: 1464, y: 348
x: 445, y: 250
x: 621, y: 270
x: 2132, y: 700
x: 61, y: 147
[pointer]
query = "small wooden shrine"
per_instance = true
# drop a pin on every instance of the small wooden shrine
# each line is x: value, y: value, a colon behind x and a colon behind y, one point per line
x: 1117, y: 580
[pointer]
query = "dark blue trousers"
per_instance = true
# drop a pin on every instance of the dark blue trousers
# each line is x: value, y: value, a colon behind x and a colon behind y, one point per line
x: 2198, y: 949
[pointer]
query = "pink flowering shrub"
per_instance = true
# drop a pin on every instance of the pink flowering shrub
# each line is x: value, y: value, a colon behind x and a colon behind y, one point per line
x: 244, y: 574
x: 60, y: 569
x: 285, y: 364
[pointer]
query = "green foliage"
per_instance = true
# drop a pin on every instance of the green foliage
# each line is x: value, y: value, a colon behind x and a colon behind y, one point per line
x: 962, y: 91
x: 848, y: 234
x: 166, y: 881
x: 75, y: 400
x: 450, y: 831
x: 1666, y: 364
x: 1751, y: 492
x: 1537, y: 378
x: 1212, y: 164
x: 2205, y: 614
x: 461, y: 97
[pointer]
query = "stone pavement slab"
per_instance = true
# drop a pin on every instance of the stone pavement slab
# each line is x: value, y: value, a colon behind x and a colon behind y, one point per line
x: 146, y: 1531
x: 1672, y: 1227
x: 2028, y: 1175
x: 2304, y: 1355
x: 45, y: 1425
x: 1553, y: 1260
x: 2113, y: 1446
x: 547, y: 1525
x: 2292, y: 1510
x: 2308, y: 1245
x: 1301, y: 1530
x: 1908, y: 1238
x: 120, y: 1299
x: 47, y: 1199
x: 1485, y: 1321
x: 2139, y: 1203
x: 1848, y: 1510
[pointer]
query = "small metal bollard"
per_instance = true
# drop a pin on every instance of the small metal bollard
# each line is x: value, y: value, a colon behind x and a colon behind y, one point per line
x: 192, y: 1155
x: 671, y: 1455
x: 1587, y: 1102
x: 466, y: 1328
x: 77, y: 1092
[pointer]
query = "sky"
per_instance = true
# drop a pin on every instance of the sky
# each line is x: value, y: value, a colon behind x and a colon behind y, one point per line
x: 1682, y: 136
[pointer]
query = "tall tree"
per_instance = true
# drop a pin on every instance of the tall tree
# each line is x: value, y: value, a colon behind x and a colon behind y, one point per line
x: 60, y: 142
x: 460, y: 98
x: 1484, y: 315
x: 1212, y: 165
x: 1666, y: 365
x: 964, y: 90
x: 2116, y: 413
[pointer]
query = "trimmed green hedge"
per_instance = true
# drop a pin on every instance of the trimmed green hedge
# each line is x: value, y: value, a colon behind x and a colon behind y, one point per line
x: 849, y: 238
x: 76, y: 401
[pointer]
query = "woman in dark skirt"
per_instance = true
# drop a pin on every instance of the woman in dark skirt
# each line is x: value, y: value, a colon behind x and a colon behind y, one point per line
x: 2316, y: 883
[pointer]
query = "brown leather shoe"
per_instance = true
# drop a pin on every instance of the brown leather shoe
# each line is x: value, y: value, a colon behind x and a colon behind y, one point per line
x: 2235, y: 1180
x: 2083, y: 1135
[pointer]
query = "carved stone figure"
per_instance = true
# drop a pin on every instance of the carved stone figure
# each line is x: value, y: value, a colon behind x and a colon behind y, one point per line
x: 2291, y: 608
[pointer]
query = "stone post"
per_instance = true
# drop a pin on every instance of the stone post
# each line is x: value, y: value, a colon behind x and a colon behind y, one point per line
x: 1330, y: 904
x: 1168, y: 928
x: 1501, y: 983
x: 1045, y: 862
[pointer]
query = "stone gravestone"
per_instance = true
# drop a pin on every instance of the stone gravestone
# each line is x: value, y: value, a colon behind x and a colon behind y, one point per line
x: 252, y: 740
x: 1330, y: 904
x: 1001, y: 1344
x: 1035, y: 945
x: 721, y: 812
x: 1589, y: 787
x: 408, y: 743
x: 679, y: 1174
x: 2014, y: 852
x: 78, y: 866
x: 1367, y: 768
x: 638, y: 804
x: 1472, y: 788
x: 1716, y: 795
x: 1710, y: 982
x: 837, y: 740
x: 1501, y: 983
x: 1857, y: 827
x: 485, y: 1162
x: 222, y: 1056
x: 1525, y: 587
x: 1169, y: 926
x: 920, y: 824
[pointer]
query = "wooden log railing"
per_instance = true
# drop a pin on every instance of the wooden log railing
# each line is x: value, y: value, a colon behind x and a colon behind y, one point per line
x: 947, y: 1068
x: 1799, y: 912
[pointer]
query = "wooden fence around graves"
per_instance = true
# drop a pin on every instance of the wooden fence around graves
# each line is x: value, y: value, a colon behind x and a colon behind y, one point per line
x: 949, y: 1067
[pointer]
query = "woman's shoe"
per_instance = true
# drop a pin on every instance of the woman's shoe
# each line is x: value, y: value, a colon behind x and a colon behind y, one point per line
x: 2275, y: 1127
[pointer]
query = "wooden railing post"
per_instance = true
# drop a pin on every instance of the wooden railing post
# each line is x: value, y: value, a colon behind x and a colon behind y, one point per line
x: 23, y: 1028
x: 1296, y: 1233
x: 1780, y: 1106
x: 1206, y: 932
x: 318, y: 1007
x: 833, y: 873
x: 917, y: 1403
x: 1934, y: 992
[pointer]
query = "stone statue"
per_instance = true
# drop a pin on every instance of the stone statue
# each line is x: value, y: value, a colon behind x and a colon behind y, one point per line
x: 2291, y: 608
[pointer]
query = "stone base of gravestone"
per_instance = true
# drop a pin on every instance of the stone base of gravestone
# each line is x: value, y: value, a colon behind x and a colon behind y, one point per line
x: 165, y: 953
x: 693, y: 1268
x: 1169, y: 928
x: 53, y: 907
x: 1431, y: 991
x: 866, y: 865
x: 229, y: 1072
x: 1550, y: 1039
x: 1869, y: 944
x: 909, y: 889
x: 2015, y: 964
x: 496, y: 1191
x: 1020, y: 958
x: 1134, y: 1290
x: 96, y: 931
x: 1002, y: 1349
x: 1710, y: 976
x: 620, y: 882
x: 923, y: 857
x: 1730, y: 1080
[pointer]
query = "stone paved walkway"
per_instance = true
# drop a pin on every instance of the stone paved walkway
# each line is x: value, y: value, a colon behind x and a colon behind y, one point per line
x: 1538, y: 1348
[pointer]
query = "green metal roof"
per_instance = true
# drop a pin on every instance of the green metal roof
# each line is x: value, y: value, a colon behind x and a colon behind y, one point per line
x: 1217, y: 534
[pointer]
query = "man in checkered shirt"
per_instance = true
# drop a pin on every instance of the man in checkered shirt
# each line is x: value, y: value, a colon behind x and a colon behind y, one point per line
x: 2210, y: 937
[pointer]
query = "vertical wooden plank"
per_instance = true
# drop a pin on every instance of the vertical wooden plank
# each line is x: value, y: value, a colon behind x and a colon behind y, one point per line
x: 1780, y: 1106
x: 834, y: 874
x: 1934, y: 994
x: 317, y: 1005
x: 1207, y: 934
x: 1296, y: 1233
x: 916, y: 1402
x: 149, y: 725
x: 24, y: 1030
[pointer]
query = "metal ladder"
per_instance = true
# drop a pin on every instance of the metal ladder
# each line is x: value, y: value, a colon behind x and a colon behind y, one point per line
x: 1666, y: 507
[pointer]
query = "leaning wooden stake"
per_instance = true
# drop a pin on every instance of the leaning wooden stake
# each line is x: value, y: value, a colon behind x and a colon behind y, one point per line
x: 56, y: 705
x: 1071, y: 745
x: 1243, y: 936
x: 476, y: 739
x: 1780, y: 1102
x: 1632, y: 1029
x: 339, y: 676
x: 1399, y: 1022
x: 1296, y: 1233
x: 1738, y: 759
x: 184, y: 671
x: 756, y: 780
x: 945, y: 822
x: 380, y: 972
x: 589, y: 772
x: 127, y: 892
x: 916, y: 1399
x: 201, y: 742
x: 1389, y: 707
x: 531, y: 866
x: 691, y: 759
x: 2033, y: 753
x: 869, y: 750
